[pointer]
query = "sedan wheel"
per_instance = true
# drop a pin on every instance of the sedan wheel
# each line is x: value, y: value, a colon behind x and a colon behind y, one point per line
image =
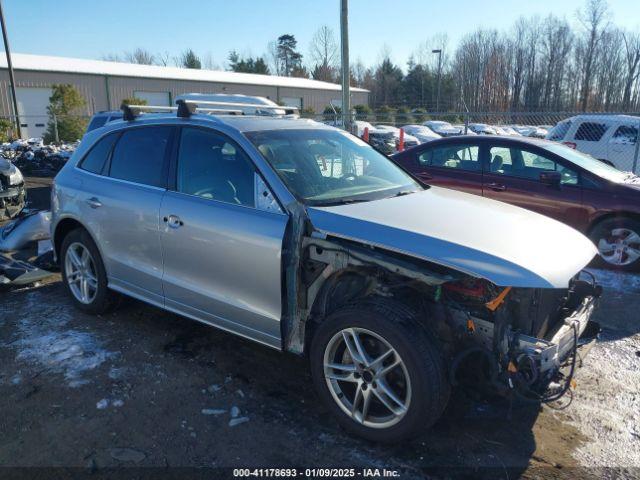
x: 620, y: 248
x: 367, y: 378
x: 80, y: 271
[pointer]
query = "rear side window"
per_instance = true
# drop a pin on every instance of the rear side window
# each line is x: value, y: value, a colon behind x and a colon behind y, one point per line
x: 590, y: 131
x: 94, y: 161
x: 558, y: 132
x: 461, y: 157
x: 625, y: 135
x: 97, y: 122
x: 139, y: 155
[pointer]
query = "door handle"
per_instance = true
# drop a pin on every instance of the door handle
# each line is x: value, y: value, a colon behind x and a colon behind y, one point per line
x: 498, y: 187
x: 93, y: 202
x: 173, y: 221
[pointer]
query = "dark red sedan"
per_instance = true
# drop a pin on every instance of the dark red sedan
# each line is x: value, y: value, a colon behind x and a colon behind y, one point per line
x: 543, y: 176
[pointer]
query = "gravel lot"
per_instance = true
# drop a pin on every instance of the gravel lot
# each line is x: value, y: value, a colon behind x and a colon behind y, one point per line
x: 146, y: 388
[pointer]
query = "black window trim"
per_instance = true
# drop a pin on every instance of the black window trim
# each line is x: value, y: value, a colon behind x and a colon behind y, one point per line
x: 467, y: 144
x: 165, y: 160
x: 107, y: 160
x: 172, y: 180
x: 486, y: 164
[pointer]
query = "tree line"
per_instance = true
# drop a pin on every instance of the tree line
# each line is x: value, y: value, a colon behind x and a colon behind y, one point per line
x: 539, y: 64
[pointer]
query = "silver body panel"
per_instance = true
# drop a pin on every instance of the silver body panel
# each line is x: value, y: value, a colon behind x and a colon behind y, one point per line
x: 223, y: 265
x: 506, y: 245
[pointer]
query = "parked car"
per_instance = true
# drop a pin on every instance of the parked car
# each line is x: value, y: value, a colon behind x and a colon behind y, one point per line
x: 13, y: 193
x: 409, y: 140
x: 546, y: 177
x: 610, y: 138
x: 303, y: 238
x: 530, y: 131
x: 423, y: 133
x: 482, y: 129
x: 506, y: 130
x: 101, y: 118
x: 360, y: 126
x: 444, y: 129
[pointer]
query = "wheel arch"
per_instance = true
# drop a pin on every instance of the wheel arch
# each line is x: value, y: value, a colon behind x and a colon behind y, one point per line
x: 63, y: 228
x: 609, y: 216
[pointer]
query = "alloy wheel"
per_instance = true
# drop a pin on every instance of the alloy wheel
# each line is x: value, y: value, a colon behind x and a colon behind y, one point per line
x: 80, y: 271
x: 621, y: 247
x: 367, y: 378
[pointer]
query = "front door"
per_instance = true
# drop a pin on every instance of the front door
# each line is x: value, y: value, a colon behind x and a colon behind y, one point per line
x: 513, y: 176
x: 454, y: 166
x: 222, y: 254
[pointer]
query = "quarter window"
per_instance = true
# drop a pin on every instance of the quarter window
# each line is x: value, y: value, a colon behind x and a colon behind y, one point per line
x: 139, y: 155
x: 590, y: 131
x: 461, y: 157
x: 210, y: 166
x: 625, y: 135
x: 94, y: 161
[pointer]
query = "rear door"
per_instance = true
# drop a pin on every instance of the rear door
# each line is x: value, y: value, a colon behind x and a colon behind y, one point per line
x: 513, y: 176
x: 622, y: 145
x: 455, y: 166
x: 222, y: 235
x: 122, y: 204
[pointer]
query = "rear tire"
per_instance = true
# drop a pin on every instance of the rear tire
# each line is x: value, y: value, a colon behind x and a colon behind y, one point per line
x: 618, y: 244
x: 418, y: 387
x: 83, y: 274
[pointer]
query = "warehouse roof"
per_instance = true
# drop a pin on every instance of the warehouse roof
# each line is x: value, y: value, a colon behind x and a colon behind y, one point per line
x: 41, y: 63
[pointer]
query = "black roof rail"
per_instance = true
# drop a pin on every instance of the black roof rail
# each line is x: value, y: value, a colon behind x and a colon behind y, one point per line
x: 186, y: 109
x: 128, y: 113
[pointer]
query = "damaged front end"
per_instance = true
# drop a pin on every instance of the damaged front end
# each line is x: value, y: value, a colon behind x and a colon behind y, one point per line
x: 521, y: 341
x: 12, y: 190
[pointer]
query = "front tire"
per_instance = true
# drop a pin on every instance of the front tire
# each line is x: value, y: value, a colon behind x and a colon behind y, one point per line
x: 83, y: 274
x: 618, y: 243
x: 378, y: 372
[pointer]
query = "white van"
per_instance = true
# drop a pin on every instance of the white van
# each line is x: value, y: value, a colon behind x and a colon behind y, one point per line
x: 610, y: 138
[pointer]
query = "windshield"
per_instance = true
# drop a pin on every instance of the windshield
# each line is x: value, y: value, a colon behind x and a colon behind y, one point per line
x: 331, y: 167
x: 588, y: 163
x: 558, y: 132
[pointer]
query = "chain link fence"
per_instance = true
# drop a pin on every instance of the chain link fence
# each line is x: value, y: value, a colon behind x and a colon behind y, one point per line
x: 611, y: 137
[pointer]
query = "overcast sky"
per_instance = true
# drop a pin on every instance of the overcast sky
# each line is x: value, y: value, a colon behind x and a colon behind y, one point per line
x: 93, y: 28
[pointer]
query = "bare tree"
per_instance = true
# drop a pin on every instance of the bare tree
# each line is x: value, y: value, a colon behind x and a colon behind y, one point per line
x: 594, y: 21
x: 323, y: 51
x: 140, y: 56
x: 632, y: 62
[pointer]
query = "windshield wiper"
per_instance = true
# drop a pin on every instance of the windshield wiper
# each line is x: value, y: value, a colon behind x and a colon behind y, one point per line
x: 404, y: 192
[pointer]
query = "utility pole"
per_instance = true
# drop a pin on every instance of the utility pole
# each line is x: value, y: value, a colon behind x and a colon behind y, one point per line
x: 344, y: 40
x: 439, y: 52
x: 12, y: 79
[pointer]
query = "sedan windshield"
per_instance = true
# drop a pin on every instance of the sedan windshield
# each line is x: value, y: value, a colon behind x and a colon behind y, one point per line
x: 331, y: 167
x: 590, y: 164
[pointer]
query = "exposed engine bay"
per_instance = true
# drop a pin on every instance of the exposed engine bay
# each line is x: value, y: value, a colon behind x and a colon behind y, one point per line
x: 520, y: 341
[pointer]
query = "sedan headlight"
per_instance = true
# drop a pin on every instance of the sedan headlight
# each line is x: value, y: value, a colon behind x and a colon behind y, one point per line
x: 15, y: 176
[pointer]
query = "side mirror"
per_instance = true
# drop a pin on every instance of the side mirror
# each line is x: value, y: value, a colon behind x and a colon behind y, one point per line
x: 551, y: 178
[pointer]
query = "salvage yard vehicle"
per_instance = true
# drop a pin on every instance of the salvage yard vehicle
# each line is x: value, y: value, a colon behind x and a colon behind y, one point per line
x: 609, y: 138
x: 304, y: 238
x: 546, y: 177
x: 12, y: 191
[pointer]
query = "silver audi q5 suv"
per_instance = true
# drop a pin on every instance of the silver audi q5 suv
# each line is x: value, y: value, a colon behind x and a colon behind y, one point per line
x: 302, y: 237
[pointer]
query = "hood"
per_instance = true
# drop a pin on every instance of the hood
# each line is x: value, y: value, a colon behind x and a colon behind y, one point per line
x: 507, y: 245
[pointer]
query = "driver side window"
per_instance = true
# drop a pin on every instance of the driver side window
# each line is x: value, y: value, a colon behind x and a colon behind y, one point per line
x: 211, y: 166
x: 514, y: 162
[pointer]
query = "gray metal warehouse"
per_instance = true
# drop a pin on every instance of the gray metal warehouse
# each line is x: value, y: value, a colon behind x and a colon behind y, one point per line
x: 105, y: 84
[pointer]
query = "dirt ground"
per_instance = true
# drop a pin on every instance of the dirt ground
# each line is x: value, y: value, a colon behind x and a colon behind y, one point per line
x: 145, y: 388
